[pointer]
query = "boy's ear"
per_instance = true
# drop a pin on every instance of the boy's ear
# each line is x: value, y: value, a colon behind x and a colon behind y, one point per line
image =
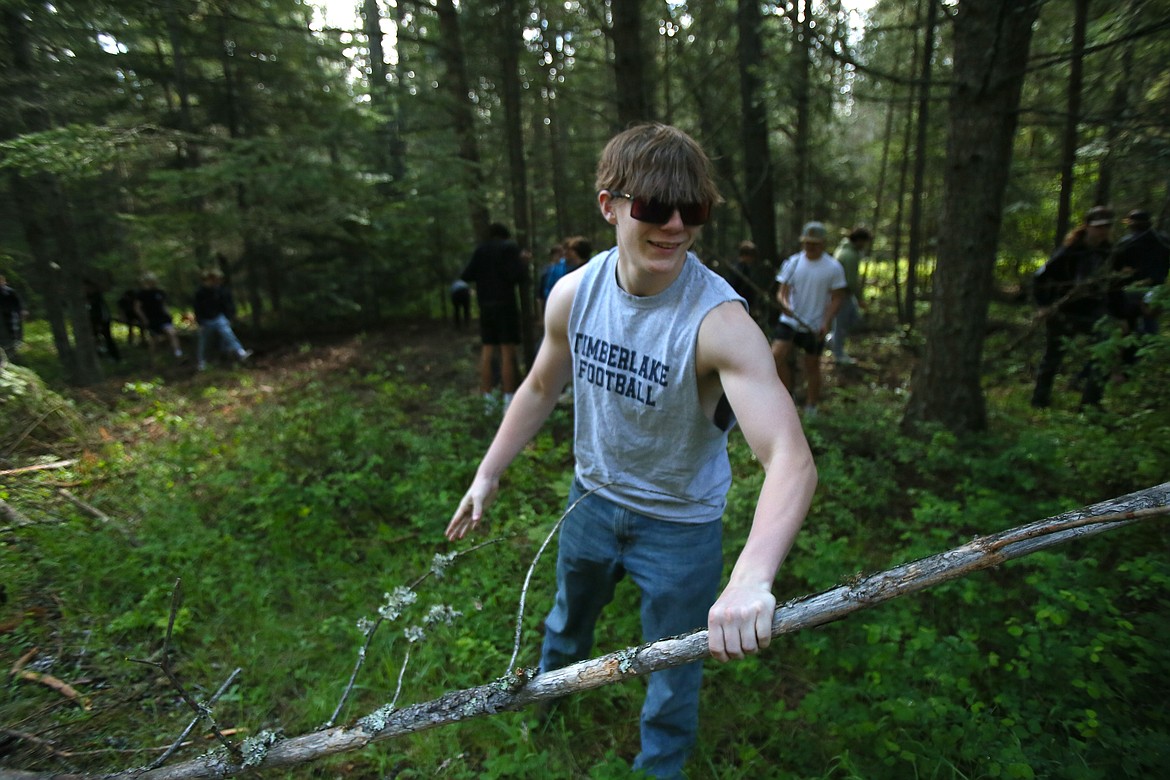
x: 605, y: 203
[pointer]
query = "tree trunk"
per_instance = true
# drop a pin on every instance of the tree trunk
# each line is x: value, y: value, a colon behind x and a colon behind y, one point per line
x: 1118, y: 109
x: 759, y: 205
x: 522, y: 687
x: 991, y: 41
x: 462, y: 115
x: 1068, y: 156
x: 921, y: 153
x: 44, y: 215
x: 511, y: 41
x: 629, y: 64
x: 801, y: 140
x: 903, y: 172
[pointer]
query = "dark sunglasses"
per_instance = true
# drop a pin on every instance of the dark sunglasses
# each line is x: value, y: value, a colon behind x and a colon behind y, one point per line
x: 656, y: 212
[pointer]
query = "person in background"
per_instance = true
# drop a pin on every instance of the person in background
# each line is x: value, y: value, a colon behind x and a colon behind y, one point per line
x: 555, y: 255
x: 1140, y: 262
x: 214, y: 311
x: 128, y: 308
x: 460, y: 293
x: 664, y: 358
x: 151, y: 308
x: 849, y: 255
x: 100, y: 319
x: 577, y: 251
x: 12, y: 316
x: 1070, y: 290
x: 812, y: 288
x: 496, y: 269
x: 745, y: 277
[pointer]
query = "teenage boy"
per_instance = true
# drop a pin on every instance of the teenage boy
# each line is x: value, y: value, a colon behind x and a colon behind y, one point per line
x: 664, y: 359
x: 812, y: 288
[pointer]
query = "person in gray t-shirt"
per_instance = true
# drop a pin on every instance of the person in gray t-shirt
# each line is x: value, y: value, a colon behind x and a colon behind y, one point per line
x: 664, y: 358
x: 812, y: 288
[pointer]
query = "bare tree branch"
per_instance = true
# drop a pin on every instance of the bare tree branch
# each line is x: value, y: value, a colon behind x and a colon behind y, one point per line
x: 525, y: 687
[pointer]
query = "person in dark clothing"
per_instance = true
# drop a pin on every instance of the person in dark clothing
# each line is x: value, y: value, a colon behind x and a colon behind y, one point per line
x: 496, y: 269
x: 12, y: 314
x: 100, y: 318
x: 1070, y: 289
x: 214, y: 310
x: 1140, y: 261
x: 128, y: 308
x: 461, y: 303
x: 151, y: 307
x: 745, y: 276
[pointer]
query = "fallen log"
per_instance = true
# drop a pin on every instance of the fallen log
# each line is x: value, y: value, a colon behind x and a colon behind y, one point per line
x: 524, y: 687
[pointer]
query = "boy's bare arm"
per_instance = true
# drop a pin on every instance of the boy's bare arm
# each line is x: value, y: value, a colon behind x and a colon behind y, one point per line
x: 731, y: 344
x: 534, y: 401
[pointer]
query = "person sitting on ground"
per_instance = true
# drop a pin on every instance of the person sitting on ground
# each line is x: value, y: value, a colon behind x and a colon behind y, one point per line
x: 100, y: 319
x: 214, y: 311
x: 12, y: 316
x: 151, y: 308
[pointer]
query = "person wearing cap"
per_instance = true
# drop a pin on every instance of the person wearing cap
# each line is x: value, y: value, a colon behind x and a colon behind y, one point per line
x: 849, y: 255
x: 812, y: 288
x: 1070, y: 289
x: 214, y: 311
x: 1140, y: 262
x: 152, y: 309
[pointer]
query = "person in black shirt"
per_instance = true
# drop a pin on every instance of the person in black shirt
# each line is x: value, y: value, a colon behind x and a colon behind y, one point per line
x: 496, y: 269
x: 1070, y: 291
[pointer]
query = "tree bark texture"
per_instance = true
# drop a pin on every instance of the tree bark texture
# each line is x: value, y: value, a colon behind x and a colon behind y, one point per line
x: 991, y: 52
x: 1072, y: 121
x: 629, y: 64
x: 759, y: 190
x: 921, y: 153
x: 525, y: 687
x: 462, y: 115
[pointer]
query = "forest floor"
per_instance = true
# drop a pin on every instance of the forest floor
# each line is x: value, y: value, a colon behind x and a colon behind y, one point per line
x: 446, y: 357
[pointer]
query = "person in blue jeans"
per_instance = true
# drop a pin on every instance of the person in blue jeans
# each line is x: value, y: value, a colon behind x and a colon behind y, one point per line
x: 664, y: 359
x: 214, y: 310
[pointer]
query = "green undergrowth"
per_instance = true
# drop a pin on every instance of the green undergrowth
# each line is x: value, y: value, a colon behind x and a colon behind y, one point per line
x: 289, y: 510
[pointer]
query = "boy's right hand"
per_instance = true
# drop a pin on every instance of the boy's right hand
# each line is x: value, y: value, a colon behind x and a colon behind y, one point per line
x: 471, y: 508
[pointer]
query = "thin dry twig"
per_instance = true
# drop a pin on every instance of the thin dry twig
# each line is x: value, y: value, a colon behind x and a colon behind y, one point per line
x: 180, y: 742
x: 364, y: 649
x: 532, y: 567
x: 57, y: 464
x: 89, y: 509
x: 201, y: 710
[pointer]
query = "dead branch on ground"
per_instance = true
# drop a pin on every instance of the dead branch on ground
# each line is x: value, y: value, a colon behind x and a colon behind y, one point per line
x: 525, y: 687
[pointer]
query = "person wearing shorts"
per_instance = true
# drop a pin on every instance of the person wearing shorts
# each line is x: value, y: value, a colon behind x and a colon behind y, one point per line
x: 812, y: 289
x: 496, y: 269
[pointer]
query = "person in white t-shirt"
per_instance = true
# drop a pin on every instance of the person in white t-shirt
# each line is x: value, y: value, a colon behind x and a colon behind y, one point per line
x: 812, y: 289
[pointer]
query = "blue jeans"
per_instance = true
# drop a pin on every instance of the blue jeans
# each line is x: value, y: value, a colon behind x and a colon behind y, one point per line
x: 848, y: 317
x: 220, y: 328
x: 677, y: 567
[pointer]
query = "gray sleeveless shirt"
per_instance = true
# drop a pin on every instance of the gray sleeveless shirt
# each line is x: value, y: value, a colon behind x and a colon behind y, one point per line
x: 638, y: 422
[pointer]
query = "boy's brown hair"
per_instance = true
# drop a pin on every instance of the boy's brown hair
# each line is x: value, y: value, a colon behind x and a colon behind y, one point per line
x: 654, y: 160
